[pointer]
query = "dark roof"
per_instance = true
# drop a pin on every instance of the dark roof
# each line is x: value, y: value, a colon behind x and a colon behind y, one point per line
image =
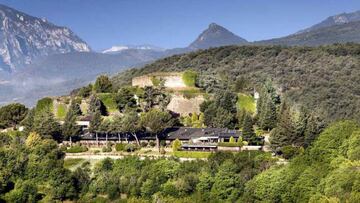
x: 185, y: 133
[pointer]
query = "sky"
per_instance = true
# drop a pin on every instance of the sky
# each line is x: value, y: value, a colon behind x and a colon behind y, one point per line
x: 176, y: 23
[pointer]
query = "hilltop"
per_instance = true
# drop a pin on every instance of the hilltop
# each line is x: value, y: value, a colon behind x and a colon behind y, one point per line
x: 323, y: 79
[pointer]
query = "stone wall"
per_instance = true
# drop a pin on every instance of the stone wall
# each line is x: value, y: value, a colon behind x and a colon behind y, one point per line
x: 172, y: 80
x: 185, y: 106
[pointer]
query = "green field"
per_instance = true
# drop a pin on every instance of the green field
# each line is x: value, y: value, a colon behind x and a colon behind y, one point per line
x: 246, y: 102
x: 192, y: 154
x: 109, y: 101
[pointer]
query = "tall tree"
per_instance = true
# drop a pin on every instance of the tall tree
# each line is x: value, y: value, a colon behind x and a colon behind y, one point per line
x: 102, y: 84
x: 28, y: 121
x: 130, y: 123
x: 248, y: 129
x: 96, y: 105
x: 268, y: 116
x: 95, y: 122
x: 70, y: 128
x: 125, y: 98
x: 285, y: 131
x: 46, y: 125
x: 155, y: 122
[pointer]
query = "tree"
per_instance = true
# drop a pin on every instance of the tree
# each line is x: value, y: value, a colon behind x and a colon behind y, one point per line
x: 95, y: 122
x: 102, y: 84
x: 70, y: 127
x: 176, y: 145
x: 46, y: 125
x: 155, y: 122
x: 248, y: 130
x: 33, y: 139
x: 130, y: 123
x: 285, y: 131
x: 28, y: 121
x: 12, y: 114
x: 226, y: 100
x: 85, y: 91
x: 268, y: 116
x: 125, y: 98
x: 232, y: 140
x: 96, y: 105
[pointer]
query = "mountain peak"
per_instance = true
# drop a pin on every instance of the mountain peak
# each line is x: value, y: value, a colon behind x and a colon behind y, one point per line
x: 338, y: 19
x: 215, y: 36
x: 24, y: 38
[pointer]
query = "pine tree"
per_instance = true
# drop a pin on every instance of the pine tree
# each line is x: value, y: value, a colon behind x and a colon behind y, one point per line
x: 268, y: 115
x: 284, y: 133
x: 248, y: 130
x: 95, y: 122
x: 46, y: 125
x: 28, y: 121
x: 96, y: 105
x: 70, y: 128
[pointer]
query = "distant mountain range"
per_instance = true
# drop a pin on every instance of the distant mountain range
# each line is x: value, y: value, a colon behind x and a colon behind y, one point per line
x: 38, y: 58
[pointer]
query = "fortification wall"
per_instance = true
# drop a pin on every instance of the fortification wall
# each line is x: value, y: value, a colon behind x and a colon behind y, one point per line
x: 185, y: 106
x: 172, y: 80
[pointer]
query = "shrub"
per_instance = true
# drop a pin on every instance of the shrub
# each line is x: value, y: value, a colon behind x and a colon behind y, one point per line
x: 44, y: 103
x: 143, y: 144
x: 77, y: 149
x: 176, y: 145
x: 289, y: 151
x: 152, y: 144
x: 131, y: 148
x: 120, y: 147
x: 189, y: 78
x: 106, y: 149
x: 163, y: 143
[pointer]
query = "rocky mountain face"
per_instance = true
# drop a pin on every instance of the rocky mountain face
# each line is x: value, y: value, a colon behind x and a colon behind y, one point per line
x: 340, y: 28
x: 215, y: 36
x: 339, y: 19
x: 24, y: 38
x: 343, y: 33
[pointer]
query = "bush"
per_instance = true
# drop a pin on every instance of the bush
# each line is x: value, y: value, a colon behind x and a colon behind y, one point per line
x: 176, y: 145
x: 189, y: 78
x: 230, y: 144
x: 77, y: 149
x: 163, y: 143
x: 152, y: 144
x: 143, y: 144
x: 120, y: 147
x: 106, y: 149
x: 289, y: 151
x: 131, y: 148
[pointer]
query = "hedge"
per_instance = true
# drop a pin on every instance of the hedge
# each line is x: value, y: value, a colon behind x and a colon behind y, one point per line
x: 77, y: 149
x: 230, y: 144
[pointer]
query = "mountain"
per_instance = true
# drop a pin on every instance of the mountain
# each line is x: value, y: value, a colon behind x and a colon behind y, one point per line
x: 24, y: 38
x: 343, y: 33
x: 339, y: 19
x: 215, y: 36
x: 340, y: 28
x: 120, y: 48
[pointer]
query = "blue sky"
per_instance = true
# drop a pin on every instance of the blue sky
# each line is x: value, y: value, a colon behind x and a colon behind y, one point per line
x: 176, y: 23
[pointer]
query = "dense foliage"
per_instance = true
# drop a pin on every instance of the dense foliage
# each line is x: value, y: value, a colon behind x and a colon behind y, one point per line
x: 323, y: 79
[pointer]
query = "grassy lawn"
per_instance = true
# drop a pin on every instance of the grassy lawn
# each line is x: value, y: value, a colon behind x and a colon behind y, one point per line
x: 72, y: 163
x: 61, y: 111
x: 109, y: 101
x: 246, y: 102
x: 192, y: 154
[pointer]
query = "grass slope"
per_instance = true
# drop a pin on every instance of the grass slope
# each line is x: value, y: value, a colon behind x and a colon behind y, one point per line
x: 246, y: 102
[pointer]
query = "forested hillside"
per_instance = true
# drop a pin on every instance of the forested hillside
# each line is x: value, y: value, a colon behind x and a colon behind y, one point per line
x: 323, y: 79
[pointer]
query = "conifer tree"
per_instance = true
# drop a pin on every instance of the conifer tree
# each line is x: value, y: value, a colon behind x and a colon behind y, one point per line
x: 285, y: 131
x: 46, y: 125
x: 70, y: 128
x: 95, y: 122
x: 248, y: 130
